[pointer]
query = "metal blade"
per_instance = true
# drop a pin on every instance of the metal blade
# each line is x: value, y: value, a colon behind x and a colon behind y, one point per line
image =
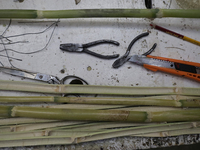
x: 141, y: 60
x: 19, y: 73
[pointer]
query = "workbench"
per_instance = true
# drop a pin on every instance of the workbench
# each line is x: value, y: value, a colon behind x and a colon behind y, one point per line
x: 52, y: 60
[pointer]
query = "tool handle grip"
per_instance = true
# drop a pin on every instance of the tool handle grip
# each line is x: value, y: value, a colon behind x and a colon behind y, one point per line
x: 99, y: 55
x: 175, y: 60
x: 173, y: 71
x: 101, y: 42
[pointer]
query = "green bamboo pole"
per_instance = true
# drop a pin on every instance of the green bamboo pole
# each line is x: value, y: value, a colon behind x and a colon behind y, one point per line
x: 95, y: 89
x: 169, y: 100
x: 99, y: 13
x: 101, y: 115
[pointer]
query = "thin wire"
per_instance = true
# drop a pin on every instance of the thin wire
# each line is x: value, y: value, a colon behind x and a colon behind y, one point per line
x: 7, y: 54
x: 55, y: 23
x: 170, y: 3
x: 14, y: 42
x: 3, y: 37
x: 12, y: 57
x: 6, y: 27
x: 6, y: 50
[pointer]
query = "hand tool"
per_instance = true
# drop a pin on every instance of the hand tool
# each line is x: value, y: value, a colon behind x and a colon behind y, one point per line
x: 175, y: 34
x: 38, y: 76
x: 148, y: 4
x: 154, y: 63
x: 73, y: 47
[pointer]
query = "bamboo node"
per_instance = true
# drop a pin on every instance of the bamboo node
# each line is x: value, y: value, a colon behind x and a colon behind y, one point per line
x: 13, y: 129
x: 159, y: 14
x: 165, y: 134
x: 45, y: 133
x: 13, y: 111
x: 149, y: 117
x: 194, y: 124
x: 40, y: 14
x: 178, y: 90
x: 74, y: 140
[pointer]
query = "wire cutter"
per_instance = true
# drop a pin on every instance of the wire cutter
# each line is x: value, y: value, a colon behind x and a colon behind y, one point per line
x: 155, y: 63
x: 75, y: 47
x: 38, y: 76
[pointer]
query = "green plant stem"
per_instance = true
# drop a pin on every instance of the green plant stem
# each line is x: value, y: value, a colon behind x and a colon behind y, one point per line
x: 100, y: 13
x: 95, y: 89
x: 101, y: 115
x: 170, y: 100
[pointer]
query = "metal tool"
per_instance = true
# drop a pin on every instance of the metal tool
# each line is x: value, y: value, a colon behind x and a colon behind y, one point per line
x: 73, y: 47
x: 154, y: 63
x: 38, y: 76
x: 148, y: 4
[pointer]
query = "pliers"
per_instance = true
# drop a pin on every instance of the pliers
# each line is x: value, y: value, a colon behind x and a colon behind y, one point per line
x: 75, y: 47
x: 154, y: 63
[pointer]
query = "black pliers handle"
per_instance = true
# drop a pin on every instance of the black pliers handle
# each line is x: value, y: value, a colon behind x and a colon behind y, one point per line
x: 148, y: 4
x: 72, y: 47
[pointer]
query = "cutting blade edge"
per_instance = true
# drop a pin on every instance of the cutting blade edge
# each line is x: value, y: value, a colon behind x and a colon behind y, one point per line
x: 18, y: 73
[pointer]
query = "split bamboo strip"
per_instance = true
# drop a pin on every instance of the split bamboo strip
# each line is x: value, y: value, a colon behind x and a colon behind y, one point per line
x: 169, y: 100
x: 43, y: 137
x: 100, y: 115
x: 99, y: 13
x: 14, y: 121
x: 86, y: 106
x: 36, y: 126
x: 171, y: 133
x: 95, y: 89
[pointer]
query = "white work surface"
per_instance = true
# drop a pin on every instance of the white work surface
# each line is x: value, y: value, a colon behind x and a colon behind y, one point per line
x: 95, y: 70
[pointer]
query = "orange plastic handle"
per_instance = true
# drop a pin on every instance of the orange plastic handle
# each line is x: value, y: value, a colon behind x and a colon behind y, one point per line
x: 173, y: 71
x: 175, y: 60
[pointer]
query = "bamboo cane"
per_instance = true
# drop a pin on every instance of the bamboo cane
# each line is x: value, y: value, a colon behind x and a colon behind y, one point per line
x: 171, y: 133
x: 95, y: 89
x: 56, y: 137
x: 101, y: 115
x: 169, y: 100
x: 99, y: 13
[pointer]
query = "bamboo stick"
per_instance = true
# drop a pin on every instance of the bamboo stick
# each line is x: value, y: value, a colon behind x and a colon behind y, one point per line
x: 43, y: 137
x: 36, y: 126
x: 101, y: 115
x: 171, y: 133
x: 99, y: 13
x: 94, y: 89
x: 168, y: 100
x: 10, y: 121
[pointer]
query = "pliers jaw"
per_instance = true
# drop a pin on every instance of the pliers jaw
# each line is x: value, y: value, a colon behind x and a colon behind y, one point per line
x: 71, y: 47
x: 123, y: 59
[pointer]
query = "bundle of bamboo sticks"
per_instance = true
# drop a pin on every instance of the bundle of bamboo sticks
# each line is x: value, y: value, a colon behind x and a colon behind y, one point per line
x: 116, y: 112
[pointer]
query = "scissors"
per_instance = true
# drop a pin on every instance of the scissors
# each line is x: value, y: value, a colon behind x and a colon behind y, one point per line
x: 154, y: 63
x: 38, y: 76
